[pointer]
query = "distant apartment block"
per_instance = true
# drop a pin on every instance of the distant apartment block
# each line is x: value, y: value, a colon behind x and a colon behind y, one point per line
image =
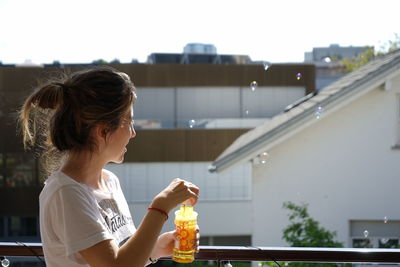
x: 197, y: 53
x: 198, y: 48
x: 327, y: 68
x: 332, y: 53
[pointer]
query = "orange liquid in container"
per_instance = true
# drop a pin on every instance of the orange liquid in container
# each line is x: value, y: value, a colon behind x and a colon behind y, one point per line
x: 186, y: 223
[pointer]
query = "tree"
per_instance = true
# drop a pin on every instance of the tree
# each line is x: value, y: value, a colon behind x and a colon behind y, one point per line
x: 99, y: 62
x: 115, y: 61
x: 304, y: 231
x: 369, y: 53
x: 361, y: 59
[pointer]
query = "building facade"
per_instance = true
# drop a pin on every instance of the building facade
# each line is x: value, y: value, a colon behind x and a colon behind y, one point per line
x: 219, y: 98
x: 338, y: 152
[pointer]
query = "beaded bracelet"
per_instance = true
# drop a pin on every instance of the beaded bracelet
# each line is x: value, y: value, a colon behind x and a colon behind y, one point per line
x: 159, y: 210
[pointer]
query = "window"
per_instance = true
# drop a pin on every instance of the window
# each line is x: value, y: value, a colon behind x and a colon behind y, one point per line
x: 22, y: 226
x: 237, y: 240
x: 376, y: 242
x: 19, y: 228
x: 17, y: 170
x: 375, y: 234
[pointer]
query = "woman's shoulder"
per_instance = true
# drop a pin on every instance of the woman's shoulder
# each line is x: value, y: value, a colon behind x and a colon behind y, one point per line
x: 111, y: 177
x: 61, y: 186
x: 58, y: 179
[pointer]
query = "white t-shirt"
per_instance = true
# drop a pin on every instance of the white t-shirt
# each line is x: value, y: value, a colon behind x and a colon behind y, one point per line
x: 74, y: 217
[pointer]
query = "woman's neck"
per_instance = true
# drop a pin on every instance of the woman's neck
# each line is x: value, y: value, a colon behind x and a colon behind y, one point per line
x: 85, y: 168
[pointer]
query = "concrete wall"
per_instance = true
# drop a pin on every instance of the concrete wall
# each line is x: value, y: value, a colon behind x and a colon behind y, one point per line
x: 225, y: 199
x: 344, y: 166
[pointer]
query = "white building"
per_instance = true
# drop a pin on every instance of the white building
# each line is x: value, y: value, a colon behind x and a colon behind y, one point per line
x: 337, y: 151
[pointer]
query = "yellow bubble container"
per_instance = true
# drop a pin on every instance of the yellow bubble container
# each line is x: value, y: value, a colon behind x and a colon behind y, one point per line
x: 186, y: 224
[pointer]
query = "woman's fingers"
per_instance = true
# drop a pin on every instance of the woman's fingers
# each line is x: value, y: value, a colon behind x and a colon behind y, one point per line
x: 196, y: 241
x: 178, y: 191
x: 188, y: 190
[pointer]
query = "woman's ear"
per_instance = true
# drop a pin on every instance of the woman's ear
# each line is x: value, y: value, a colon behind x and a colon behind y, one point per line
x: 100, y: 132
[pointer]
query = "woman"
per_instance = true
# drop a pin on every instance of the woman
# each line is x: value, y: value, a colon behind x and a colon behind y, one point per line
x: 87, y: 120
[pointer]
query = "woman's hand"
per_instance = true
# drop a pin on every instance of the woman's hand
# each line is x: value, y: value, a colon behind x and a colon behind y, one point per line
x: 164, y: 245
x: 166, y: 242
x: 175, y: 193
x: 196, y: 242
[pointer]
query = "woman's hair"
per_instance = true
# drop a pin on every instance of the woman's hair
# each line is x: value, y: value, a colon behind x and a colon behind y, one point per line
x: 60, y: 115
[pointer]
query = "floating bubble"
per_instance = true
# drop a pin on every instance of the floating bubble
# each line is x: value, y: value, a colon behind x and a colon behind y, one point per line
x: 366, y: 233
x: 253, y: 86
x: 298, y: 76
x: 318, y: 112
x: 247, y: 112
x: 263, y: 157
x: 192, y: 123
x: 5, y: 262
x: 266, y: 65
x: 327, y: 60
x: 385, y: 219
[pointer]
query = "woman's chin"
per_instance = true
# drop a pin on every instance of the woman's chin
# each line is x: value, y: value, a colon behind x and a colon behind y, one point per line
x: 120, y: 160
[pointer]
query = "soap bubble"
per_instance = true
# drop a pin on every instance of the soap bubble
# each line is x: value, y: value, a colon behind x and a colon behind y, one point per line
x: 385, y: 219
x: 247, y: 112
x: 298, y: 76
x: 327, y: 60
x: 366, y: 233
x: 318, y: 112
x: 192, y: 123
x: 5, y: 262
x: 263, y: 157
x: 253, y: 86
x: 266, y: 65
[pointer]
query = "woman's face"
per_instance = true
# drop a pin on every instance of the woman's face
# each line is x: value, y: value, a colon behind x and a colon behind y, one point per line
x: 118, y: 140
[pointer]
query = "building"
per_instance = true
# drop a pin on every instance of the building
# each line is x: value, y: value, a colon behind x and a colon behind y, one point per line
x: 199, y: 48
x: 216, y: 96
x: 198, y: 53
x: 338, y: 151
x: 326, y: 62
x: 333, y: 52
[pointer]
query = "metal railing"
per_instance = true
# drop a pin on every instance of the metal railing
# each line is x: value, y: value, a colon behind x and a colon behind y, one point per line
x: 250, y: 253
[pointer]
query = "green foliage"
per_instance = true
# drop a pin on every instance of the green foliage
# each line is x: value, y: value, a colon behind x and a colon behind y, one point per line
x: 369, y: 53
x: 99, y: 62
x: 304, y: 231
x: 361, y: 59
x: 115, y: 61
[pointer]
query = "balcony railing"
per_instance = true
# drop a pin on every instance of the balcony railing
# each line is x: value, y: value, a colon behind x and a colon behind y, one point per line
x: 249, y: 253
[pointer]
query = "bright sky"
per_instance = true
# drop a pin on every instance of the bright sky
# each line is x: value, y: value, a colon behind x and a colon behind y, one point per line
x: 80, y: 31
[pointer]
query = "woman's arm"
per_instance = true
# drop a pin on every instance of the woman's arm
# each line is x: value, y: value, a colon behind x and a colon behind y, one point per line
x: 137, y: 250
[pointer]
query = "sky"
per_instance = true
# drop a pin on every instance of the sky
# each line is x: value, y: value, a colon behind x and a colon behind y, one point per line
x: 80, y: 31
